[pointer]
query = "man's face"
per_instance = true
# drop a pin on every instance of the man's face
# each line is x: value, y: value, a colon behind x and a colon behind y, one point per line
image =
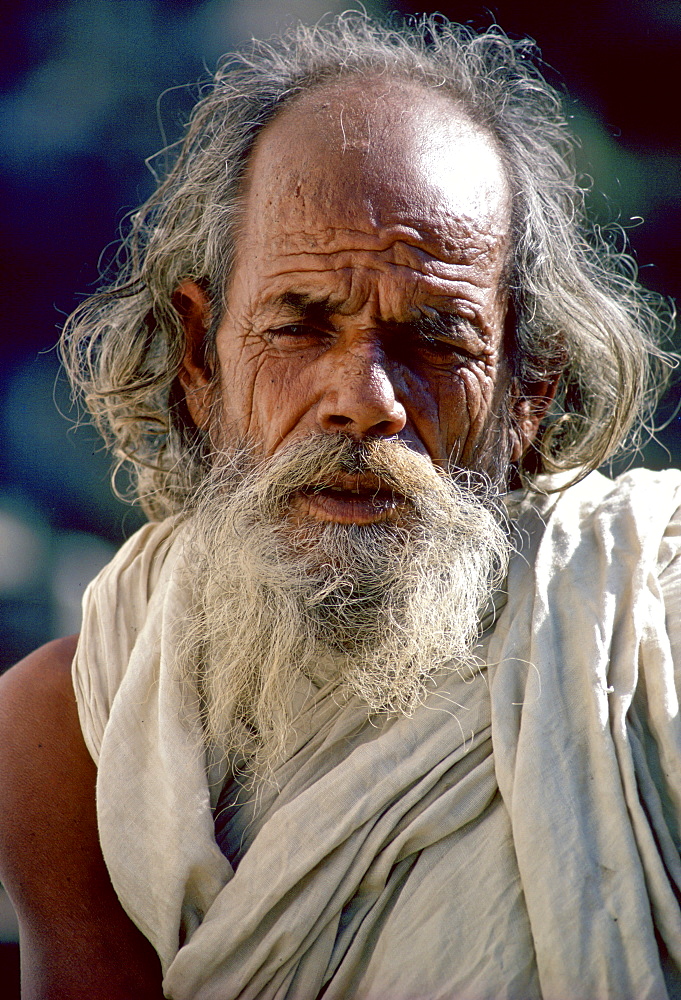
x: 367, y: 295
x: 360, y: 352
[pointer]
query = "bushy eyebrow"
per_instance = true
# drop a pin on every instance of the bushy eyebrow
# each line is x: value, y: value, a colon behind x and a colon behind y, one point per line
x: 319, y: 311
x: 304, y: 306
x: 439, y: 324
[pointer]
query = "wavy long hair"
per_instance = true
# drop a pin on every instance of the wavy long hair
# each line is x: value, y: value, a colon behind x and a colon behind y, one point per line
x: 576, y: 306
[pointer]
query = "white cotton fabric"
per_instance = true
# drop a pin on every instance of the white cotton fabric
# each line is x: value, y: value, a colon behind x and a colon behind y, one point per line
x: 518, y: 838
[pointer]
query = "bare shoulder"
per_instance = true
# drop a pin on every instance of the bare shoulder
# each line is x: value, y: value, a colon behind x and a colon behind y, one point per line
x: 39, y: 743
x: 42, y: 759
x: 37, y: 693
x: 76, y: 940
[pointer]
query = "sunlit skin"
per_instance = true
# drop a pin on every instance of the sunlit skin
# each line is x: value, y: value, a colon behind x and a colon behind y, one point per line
x: 367, y: 296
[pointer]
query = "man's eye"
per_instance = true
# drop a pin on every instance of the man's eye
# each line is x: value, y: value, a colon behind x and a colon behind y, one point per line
x: 441, y: 349
x: 292, y: 330
x: 439, y: 346
x: 295, y: 332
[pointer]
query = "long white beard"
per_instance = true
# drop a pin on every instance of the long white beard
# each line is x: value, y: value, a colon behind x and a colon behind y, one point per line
x: 379, y: 607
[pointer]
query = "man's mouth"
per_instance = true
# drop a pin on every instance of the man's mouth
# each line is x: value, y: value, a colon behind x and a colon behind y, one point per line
x: 350, y: 499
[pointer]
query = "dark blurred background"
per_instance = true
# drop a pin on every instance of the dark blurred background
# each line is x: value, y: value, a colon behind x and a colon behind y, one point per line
x: 80, y: 111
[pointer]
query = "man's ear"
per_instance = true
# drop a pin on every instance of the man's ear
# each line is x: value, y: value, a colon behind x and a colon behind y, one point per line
x: 528, y: 406
x: 195, y: 374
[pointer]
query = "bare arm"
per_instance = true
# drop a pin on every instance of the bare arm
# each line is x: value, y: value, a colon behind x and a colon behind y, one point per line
x: 76, y: 939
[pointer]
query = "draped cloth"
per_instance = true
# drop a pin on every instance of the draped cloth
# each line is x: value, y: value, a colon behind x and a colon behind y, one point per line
x: 518, y: 837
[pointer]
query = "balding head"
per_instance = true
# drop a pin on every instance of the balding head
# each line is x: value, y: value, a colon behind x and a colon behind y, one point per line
x: 367, y: 294
x: 392, y: 149
x: 354, y: 89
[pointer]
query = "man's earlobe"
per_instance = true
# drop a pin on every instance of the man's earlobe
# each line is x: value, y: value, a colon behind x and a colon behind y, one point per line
x: 195, y: 374
x: 528, y: 406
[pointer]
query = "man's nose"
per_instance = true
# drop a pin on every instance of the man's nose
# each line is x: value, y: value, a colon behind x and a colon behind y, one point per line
x: 360, y: 397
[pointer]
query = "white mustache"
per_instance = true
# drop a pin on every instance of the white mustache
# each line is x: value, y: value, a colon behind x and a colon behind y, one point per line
x: 376, y: 608
x: 321, y: 461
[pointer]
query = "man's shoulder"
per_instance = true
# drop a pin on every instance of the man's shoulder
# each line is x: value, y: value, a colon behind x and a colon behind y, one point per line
x: 36, y: 688
x: 599, y: 485
x: 76, y: 939
x: 37, y: 707
x: 637, y: 507
x: 42, y: 756
x: 645, y: 495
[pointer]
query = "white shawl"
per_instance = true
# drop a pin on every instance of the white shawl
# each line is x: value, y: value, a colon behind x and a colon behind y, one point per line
x: 519, y: 837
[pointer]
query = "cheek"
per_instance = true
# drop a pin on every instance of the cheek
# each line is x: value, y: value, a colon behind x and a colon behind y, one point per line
x: 284, y: 391
x: 240, y: 367
x: 465, y: 403
x: 265, y: 396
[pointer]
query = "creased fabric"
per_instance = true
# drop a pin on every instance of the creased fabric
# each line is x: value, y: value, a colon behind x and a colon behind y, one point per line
x: 519, y: 837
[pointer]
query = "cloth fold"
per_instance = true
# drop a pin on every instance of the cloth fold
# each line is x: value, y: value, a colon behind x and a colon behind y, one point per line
x: 518, y: 837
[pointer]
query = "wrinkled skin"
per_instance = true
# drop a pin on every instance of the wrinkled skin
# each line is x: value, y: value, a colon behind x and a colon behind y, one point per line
x: 367, y: 296
x: 384, y: 205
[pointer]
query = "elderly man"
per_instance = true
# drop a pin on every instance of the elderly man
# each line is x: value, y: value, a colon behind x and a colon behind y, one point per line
x: 381, y: 703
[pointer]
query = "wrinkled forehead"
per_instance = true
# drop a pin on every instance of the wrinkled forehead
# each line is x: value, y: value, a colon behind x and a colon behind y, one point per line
x: 374, y: 153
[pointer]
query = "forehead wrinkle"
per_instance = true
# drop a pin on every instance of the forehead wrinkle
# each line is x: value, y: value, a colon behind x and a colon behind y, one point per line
x: 355, y: 284
x: 439, y: 184
x: 462, y: 243
x: 379, y: 305
x: 347, y: 266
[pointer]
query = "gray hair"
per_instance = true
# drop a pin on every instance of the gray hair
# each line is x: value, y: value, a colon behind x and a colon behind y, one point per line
x: 576, y: 306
